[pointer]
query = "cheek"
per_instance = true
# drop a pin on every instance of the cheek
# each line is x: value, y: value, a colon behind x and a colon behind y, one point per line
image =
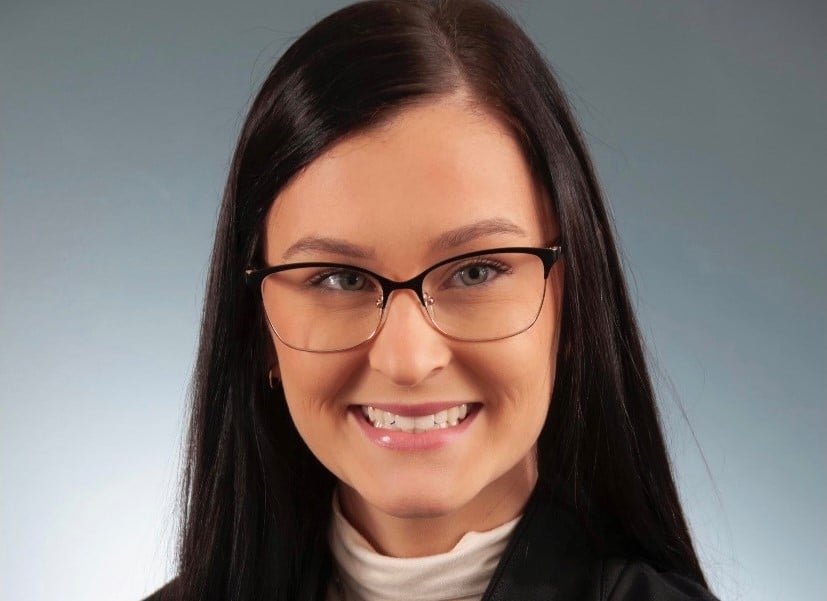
x: 517, y: 373
x: 532, y: 355
x: 519, y: 377
x: 312, y: 382
x: 312, y: 388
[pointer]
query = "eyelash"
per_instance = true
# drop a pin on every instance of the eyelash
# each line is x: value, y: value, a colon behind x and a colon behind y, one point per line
x: 318, y: 278
x: 498, y: 266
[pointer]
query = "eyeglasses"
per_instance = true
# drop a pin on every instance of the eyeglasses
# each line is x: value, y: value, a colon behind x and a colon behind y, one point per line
x: 474, y: 297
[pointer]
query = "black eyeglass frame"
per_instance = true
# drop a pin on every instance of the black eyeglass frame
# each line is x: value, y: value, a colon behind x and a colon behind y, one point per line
x: 549, y: 256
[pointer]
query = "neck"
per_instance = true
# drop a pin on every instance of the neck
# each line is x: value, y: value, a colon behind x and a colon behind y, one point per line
x: 433, y: 533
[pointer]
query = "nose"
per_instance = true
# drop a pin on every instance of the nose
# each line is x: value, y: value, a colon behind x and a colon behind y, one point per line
x: 408, y: 349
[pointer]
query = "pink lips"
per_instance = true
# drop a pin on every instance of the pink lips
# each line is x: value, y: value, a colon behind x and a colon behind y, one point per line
x: 396, y: 440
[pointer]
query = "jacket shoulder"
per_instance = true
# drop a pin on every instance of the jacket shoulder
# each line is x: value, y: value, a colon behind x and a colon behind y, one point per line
x: 550, y: 558
x: 624, y: 580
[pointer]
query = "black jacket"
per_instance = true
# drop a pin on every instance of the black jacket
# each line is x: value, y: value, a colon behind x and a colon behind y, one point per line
x: 549, y: 559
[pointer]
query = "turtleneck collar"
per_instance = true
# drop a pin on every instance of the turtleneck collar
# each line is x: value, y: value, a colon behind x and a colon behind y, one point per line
x: 461, y: 574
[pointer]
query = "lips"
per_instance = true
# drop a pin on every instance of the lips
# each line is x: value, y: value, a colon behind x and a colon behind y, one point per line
x: 440, y: 419
x: 402, y: 432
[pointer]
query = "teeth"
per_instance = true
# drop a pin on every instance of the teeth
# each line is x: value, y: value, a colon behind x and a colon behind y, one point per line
x: 406, y: 424
x: 453, y: 416
x: 423, y: 423
x: 390, y: 421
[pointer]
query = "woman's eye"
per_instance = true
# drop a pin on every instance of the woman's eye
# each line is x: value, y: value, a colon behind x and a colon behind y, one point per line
x: 476, y: 274
x: 349, y: 281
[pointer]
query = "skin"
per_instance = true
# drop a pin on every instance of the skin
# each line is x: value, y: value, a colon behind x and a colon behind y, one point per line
x: 434, y: 167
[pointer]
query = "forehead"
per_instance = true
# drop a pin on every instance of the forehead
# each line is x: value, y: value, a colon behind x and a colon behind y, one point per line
x: 432, y: 168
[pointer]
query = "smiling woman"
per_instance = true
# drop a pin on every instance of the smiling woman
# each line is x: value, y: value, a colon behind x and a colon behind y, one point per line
x: 475, y: 331
x: 419, y: 374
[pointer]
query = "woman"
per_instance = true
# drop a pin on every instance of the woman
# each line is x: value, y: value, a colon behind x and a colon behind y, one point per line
x: 419, y: 374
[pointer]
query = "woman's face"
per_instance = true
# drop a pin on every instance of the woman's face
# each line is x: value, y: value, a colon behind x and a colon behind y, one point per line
x: 435, y: 168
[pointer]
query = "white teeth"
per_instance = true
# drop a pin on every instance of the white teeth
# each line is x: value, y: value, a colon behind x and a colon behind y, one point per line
x: 390, y: 421
x: 453, y: 416
x: 423, y: 423
x: 404, y: 423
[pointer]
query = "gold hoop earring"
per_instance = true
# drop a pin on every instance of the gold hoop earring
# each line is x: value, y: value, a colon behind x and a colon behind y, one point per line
x: 272, y: 379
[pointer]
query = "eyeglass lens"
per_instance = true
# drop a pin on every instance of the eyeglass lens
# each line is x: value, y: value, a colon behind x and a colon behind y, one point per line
x: 475, y: 299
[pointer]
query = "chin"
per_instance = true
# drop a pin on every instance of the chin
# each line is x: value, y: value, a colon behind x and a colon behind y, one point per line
x: 419, y: 509
x: 418, y: 502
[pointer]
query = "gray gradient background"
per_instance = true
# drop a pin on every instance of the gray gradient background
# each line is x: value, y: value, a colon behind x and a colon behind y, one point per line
x: 117, y: 120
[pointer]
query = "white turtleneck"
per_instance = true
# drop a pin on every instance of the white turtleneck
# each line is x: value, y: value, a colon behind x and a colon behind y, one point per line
x: 461, y: 574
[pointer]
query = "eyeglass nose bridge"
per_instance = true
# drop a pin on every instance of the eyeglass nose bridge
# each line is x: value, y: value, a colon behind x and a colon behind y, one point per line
x: 415, y: 284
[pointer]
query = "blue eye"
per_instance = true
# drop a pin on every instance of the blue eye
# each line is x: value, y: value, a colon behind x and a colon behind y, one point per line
x: 477, y: 273
x: 347, y: 281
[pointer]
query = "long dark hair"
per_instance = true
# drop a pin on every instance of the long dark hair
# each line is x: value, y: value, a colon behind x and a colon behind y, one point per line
x: 256, y: 503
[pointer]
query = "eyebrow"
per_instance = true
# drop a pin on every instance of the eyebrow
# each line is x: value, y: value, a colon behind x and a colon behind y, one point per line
x: 333, y: 246
x: 445, y: 241
x: 467, y: 233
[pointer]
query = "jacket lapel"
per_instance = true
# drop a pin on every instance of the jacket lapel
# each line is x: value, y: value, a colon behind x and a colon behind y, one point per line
x: 547, y: 559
